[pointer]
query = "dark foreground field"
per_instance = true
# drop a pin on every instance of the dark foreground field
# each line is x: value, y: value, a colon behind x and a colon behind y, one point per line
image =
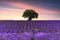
x: 29, y: 30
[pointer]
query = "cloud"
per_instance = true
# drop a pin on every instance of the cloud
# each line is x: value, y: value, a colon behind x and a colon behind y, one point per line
x: 47, y: 4
x: 6, y: 5
x: 27, y: 6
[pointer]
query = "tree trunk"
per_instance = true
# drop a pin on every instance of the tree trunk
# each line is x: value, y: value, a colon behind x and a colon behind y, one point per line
x: 30, y: 18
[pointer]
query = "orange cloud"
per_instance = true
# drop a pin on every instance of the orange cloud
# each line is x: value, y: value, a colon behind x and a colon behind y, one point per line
x: 27, y: 6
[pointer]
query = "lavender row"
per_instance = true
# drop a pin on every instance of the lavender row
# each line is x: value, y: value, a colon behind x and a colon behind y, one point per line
x: 30, y: 36
x: 31, y: 26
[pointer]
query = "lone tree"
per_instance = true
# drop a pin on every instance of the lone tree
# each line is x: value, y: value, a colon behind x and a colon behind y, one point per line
x: 30, y: 14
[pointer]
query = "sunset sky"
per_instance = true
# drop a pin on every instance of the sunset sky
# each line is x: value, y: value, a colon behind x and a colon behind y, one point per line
x: 13, y: 9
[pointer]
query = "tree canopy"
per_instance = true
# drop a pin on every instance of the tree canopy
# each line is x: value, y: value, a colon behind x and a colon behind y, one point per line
x: 30, y: 14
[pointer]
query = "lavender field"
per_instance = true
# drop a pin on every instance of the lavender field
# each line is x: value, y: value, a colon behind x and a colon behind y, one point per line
x: 29, y: 30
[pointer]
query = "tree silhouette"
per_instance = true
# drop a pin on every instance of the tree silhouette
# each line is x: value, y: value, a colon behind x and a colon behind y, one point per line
x: 30, y: 14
